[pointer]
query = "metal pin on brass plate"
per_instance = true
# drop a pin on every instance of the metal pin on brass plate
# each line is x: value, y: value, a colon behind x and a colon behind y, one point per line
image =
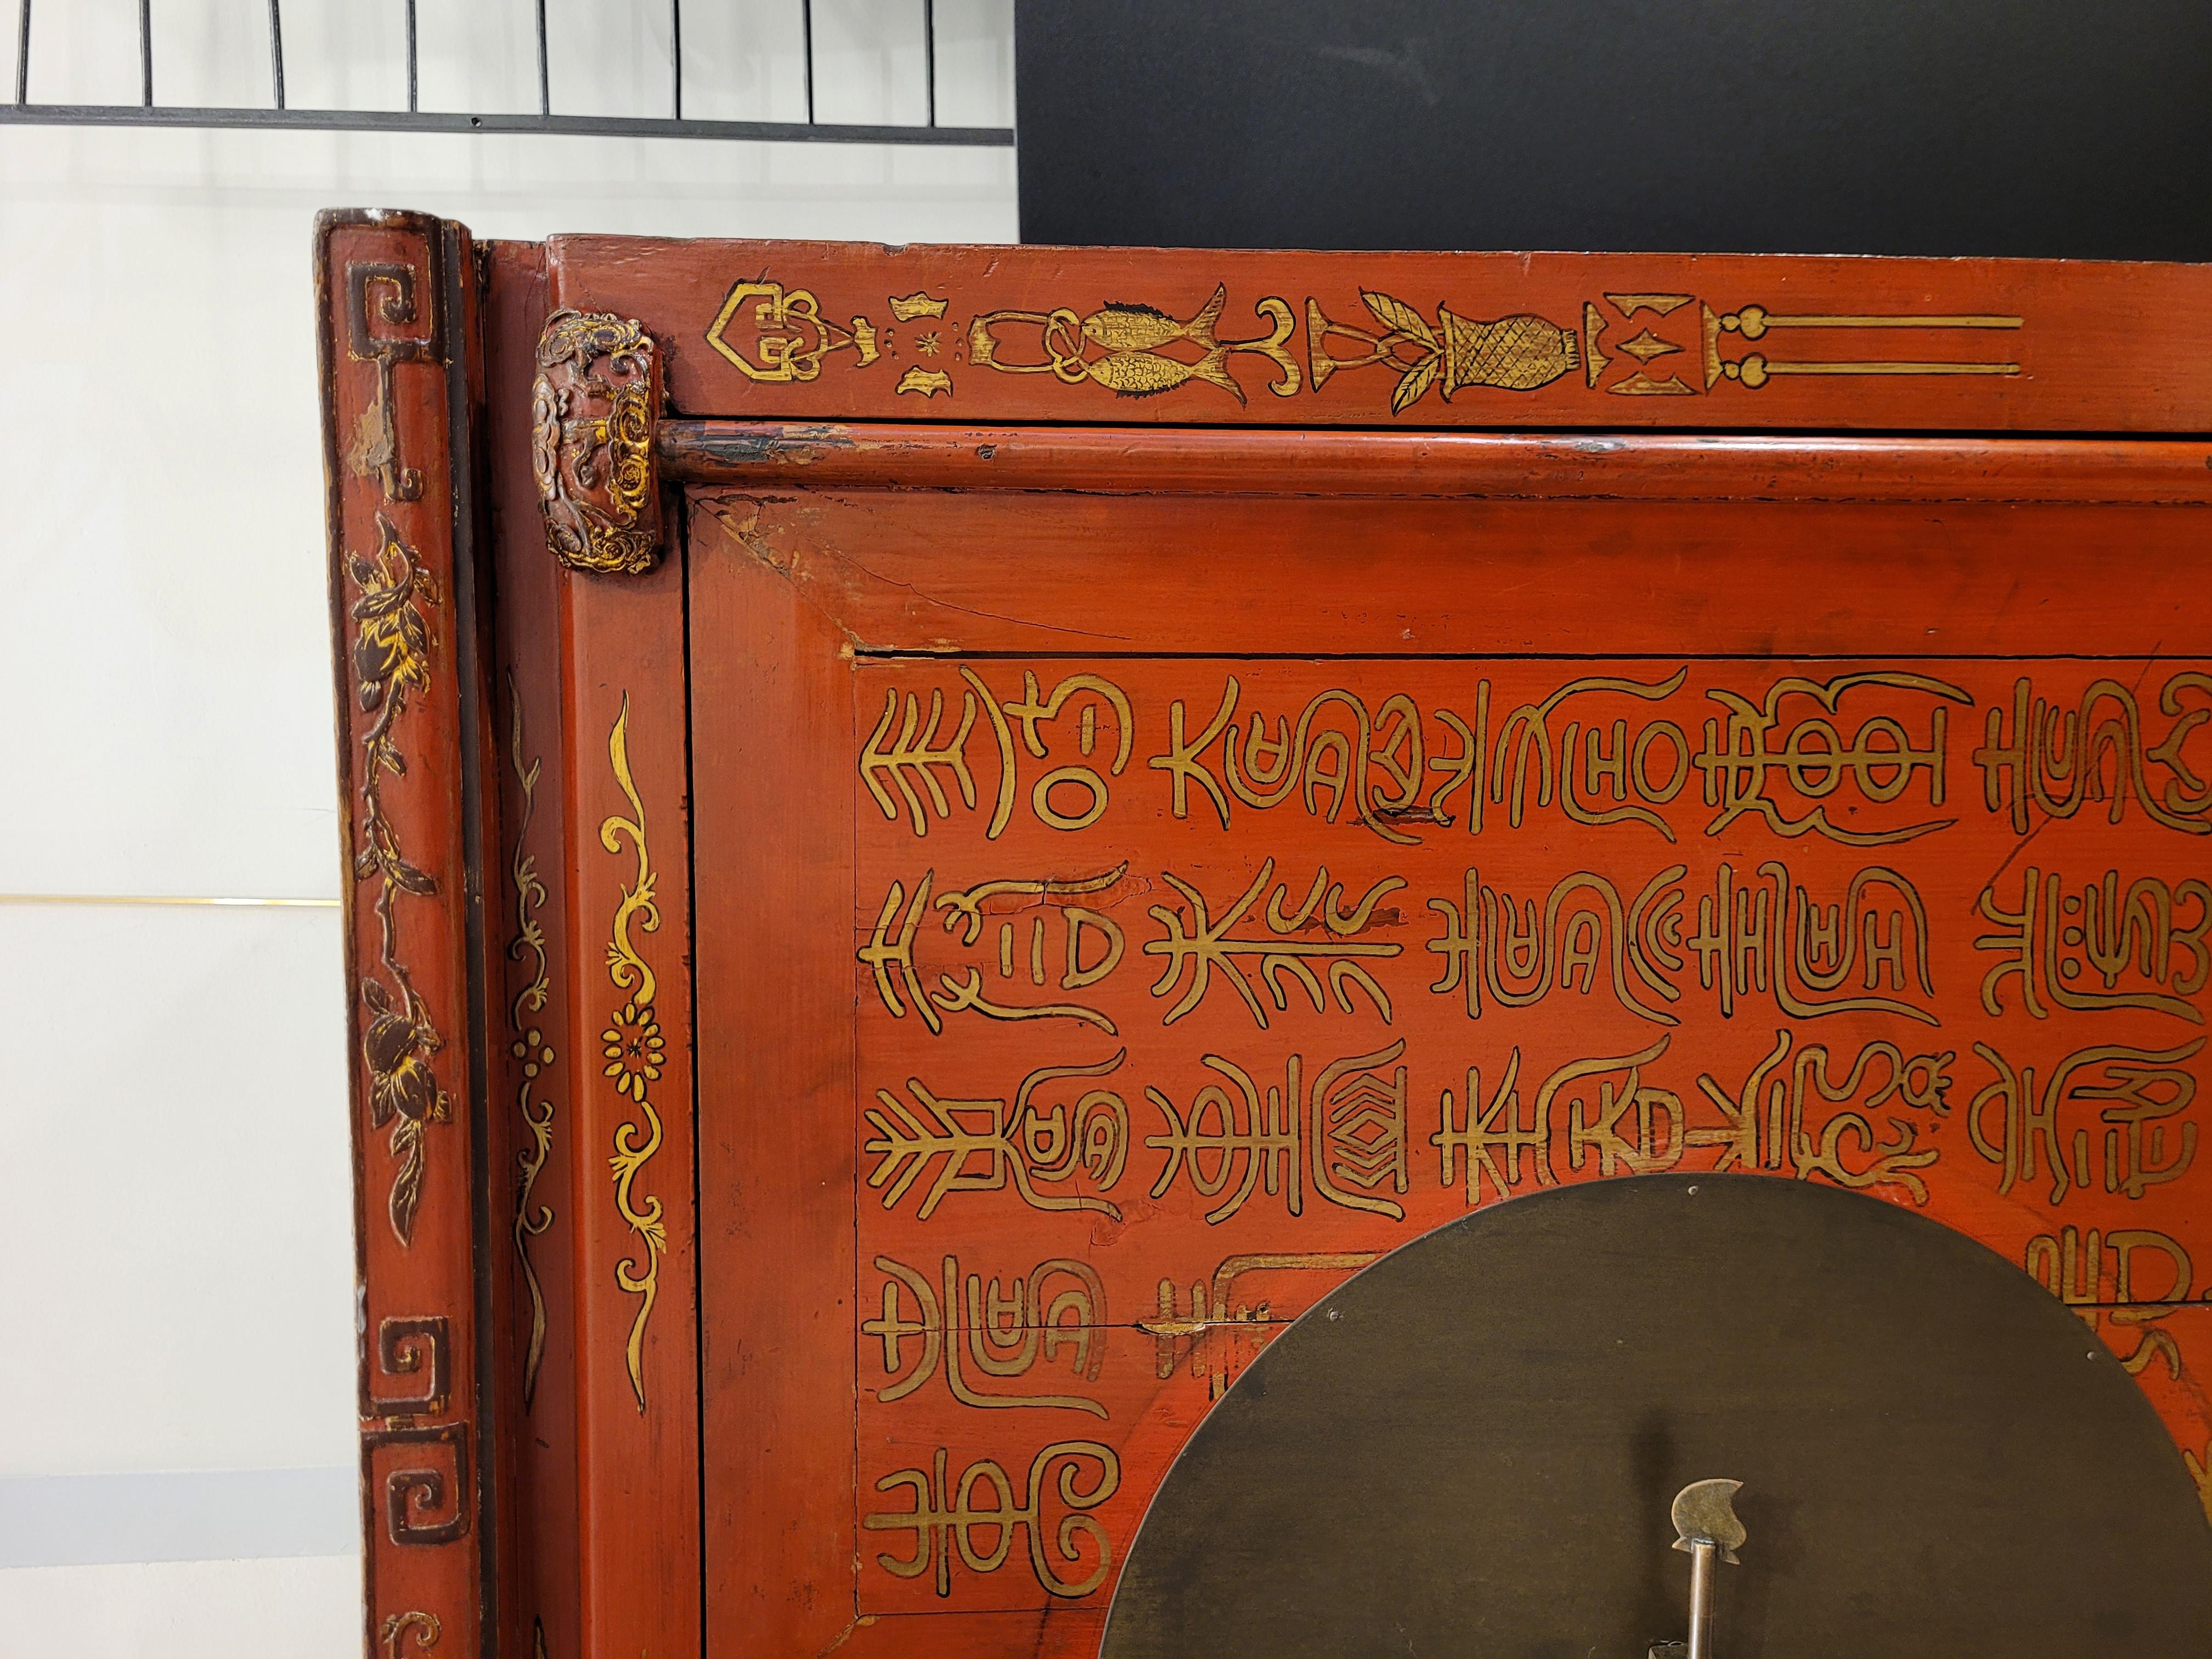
x: 1705, y: 1528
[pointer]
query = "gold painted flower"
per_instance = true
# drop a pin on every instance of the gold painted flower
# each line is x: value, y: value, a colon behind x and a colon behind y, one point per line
x: 928, y: 343
x: 635, y: 1050
x: 397, y: 1048
x: 391, y: 640
x: 533, y: 1051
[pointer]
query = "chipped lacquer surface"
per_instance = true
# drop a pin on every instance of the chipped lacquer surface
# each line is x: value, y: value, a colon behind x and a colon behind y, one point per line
x: 397, y: 320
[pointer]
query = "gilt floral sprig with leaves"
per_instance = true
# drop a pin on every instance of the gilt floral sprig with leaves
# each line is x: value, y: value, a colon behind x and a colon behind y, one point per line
x: 1406, y: 328
x: 390, y: 663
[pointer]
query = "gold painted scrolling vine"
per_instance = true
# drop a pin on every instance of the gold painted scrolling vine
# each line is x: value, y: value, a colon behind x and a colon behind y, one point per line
x: 534, y: 1054
x: 635, y: 1051
x: 392, y: 662
x: 773, y: 334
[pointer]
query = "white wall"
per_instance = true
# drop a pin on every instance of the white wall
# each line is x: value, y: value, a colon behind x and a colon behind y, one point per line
x: 176, y: 1376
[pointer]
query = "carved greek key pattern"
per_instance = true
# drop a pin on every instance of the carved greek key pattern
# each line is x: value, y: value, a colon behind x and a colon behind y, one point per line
x: 421, y: 1348
x: 381, y: 294
x: 418, y: 1464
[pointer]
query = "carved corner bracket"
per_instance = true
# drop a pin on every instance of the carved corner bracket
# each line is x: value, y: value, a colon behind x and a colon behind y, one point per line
x: 593, y: 409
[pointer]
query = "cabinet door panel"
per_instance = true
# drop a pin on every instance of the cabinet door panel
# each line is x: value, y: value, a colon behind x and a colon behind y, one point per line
x: 1120, y: 919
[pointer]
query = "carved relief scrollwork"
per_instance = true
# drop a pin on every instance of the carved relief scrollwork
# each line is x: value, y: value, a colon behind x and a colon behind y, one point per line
x: 423, y: 1626
x: 392, y: 652
x: 593, y: 411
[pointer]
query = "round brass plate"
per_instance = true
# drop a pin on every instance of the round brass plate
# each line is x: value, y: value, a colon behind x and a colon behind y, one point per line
x: 1468, y: 1450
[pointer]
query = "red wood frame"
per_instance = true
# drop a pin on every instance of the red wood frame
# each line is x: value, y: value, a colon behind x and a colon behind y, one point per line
x: 612, y: 861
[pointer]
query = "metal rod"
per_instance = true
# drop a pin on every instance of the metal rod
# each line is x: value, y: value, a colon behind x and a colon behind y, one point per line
x: 928, y: 55
x: 1702, y: 1552
x: 23, y: 53
x: 1184, y: 460
x: 544, y: 81
x: 387, y: 121
x: 412, y: 103
x: 146, y: 51
x: 806, y: 48
x: 276, y: 50
x: 676, y: 58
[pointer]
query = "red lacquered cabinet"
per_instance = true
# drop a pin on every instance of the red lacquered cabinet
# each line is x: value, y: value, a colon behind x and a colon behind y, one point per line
x: 940, y: 841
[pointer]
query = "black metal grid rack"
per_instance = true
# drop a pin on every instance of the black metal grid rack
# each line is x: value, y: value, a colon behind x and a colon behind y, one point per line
x: 413, y: 118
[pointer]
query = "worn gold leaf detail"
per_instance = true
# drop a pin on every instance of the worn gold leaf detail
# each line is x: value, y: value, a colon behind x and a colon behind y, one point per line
x: 1647, y: 345
x: 1134, y: 350
x: 634, y: 1049
x: 390, y: 663
x: 591, y: 442
x: 534, y: 1054
x: 1629, y: 304
x: 422, y: 1626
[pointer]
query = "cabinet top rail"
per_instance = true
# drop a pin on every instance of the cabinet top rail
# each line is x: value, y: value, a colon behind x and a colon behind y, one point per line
x: 838, y: 332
